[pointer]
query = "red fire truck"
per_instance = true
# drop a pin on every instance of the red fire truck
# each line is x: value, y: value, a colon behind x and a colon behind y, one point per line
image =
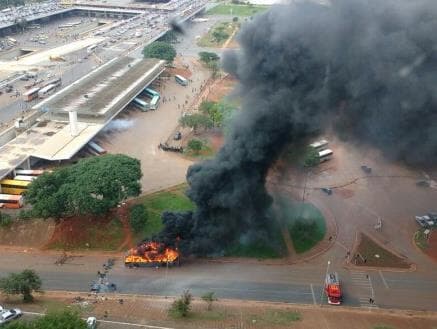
x: 332, y: 289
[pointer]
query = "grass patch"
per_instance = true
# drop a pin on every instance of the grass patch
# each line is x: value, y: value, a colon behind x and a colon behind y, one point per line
x: 157, y: 203
x: 306, y: 224
x: 275, y: 317
x: 204, y: 153
x: 420, y: 239
x: 382, y: 326
x: 218, y: 34
x: 212, y: 315
x: 368, y: 248
x: 237, y: 10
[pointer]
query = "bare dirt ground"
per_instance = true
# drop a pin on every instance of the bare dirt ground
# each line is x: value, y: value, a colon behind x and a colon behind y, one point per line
x: 221, y: 88
x: 228, y: 314
x: 431, y: 251
x: 27, y: 233
x: 139, y: 134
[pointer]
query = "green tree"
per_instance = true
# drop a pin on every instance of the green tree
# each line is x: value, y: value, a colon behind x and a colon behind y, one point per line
x: 213, y: 111
x: 219, y: 35
x: 19, y: 325
x: 169, y: 37
x: 195, y: 121
x: 92, y: 186
x: 311, y: 158
x: 23, y: 283
x: 207, y: 56
x: 138, y: 217
x: 209, y: 298
x: 65, y: 319
x: 195, y: 145
x: 160, y: 50
x: 181, y: 306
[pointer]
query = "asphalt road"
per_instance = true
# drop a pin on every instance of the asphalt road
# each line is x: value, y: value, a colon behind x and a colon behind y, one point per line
x: 283, y: 283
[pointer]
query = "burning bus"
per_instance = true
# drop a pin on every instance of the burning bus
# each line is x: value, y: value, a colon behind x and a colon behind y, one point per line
x: 152, y: 254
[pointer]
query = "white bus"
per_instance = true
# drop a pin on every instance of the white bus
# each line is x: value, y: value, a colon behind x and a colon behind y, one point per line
x: 181, y: 80
x: 47, y: 90
x: 319, y: 144
x: 325, y: 155
x: 91, y: 49
x: 142, y: 105
x: 25, y: 178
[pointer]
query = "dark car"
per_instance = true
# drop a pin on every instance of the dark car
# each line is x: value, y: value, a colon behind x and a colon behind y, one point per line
x: 327, y: 190
x: 177, y: 136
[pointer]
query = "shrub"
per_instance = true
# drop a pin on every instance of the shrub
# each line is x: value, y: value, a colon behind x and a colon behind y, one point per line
x: 195, y: 145
x: 209, y: 298
x: 5, y: 220
x: 311, y: 157
x: 181, y: 306
x: 138, y: 217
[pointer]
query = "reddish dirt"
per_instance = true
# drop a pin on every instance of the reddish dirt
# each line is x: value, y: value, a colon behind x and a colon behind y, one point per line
x: 344, y: 193
x: 221, y: 88
x: 431, y: 251
x: 123, y: 215
x: 83, y: 232
x: 181, y: 71
x: 69, y: 231
x: 227, y: 313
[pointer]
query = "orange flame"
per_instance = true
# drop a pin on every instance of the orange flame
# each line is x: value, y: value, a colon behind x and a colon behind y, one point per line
x: 152, y: 252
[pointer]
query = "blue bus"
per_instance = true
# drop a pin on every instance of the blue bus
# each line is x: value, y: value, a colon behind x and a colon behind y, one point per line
x: 142, y: 105
x: 154, y: 102
x: 151, y: 93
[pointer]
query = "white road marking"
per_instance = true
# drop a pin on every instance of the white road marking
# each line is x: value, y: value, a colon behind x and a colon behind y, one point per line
x: 312, y: 292
x: 363, y: 282
x: 383, y: 280
x: 113, y: 322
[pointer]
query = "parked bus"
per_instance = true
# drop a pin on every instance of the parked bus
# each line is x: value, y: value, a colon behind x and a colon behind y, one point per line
x: 142, y: 105
x: 91, y: 49
x: 11, y: 201
x: 181, y: 80
x: 31, y: 94
x: 319, y: 145
x: 25, y: 178
x: 325, y: 155
x: 12, y: 40
x: 97, y: 148
x: 12, y: 186
x: 47, y: 90
x: 57, y: 82
x: 154, y: 103
x: 29, y: 172
x: 151, y: 93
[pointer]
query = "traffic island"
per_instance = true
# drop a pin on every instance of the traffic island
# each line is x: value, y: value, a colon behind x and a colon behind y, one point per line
x: 369, y: 253
x: 426, y: 241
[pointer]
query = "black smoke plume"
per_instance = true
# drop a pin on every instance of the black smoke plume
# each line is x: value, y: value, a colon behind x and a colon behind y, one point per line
x: 367, y: 68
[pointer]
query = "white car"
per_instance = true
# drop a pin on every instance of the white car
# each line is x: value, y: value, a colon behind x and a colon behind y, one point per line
x: 91, y: 322
x: 9, y: 315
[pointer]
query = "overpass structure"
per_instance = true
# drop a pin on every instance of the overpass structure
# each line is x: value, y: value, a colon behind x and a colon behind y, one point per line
x: 77, y: 113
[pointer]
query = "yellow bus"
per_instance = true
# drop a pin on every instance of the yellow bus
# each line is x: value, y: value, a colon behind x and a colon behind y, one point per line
x: 12, y: 186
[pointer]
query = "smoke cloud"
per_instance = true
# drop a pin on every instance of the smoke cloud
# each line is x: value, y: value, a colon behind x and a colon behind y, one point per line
x: 366, y: 68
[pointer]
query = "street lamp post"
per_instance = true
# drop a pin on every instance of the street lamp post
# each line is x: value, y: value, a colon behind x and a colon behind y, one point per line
x: 323, y: 285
